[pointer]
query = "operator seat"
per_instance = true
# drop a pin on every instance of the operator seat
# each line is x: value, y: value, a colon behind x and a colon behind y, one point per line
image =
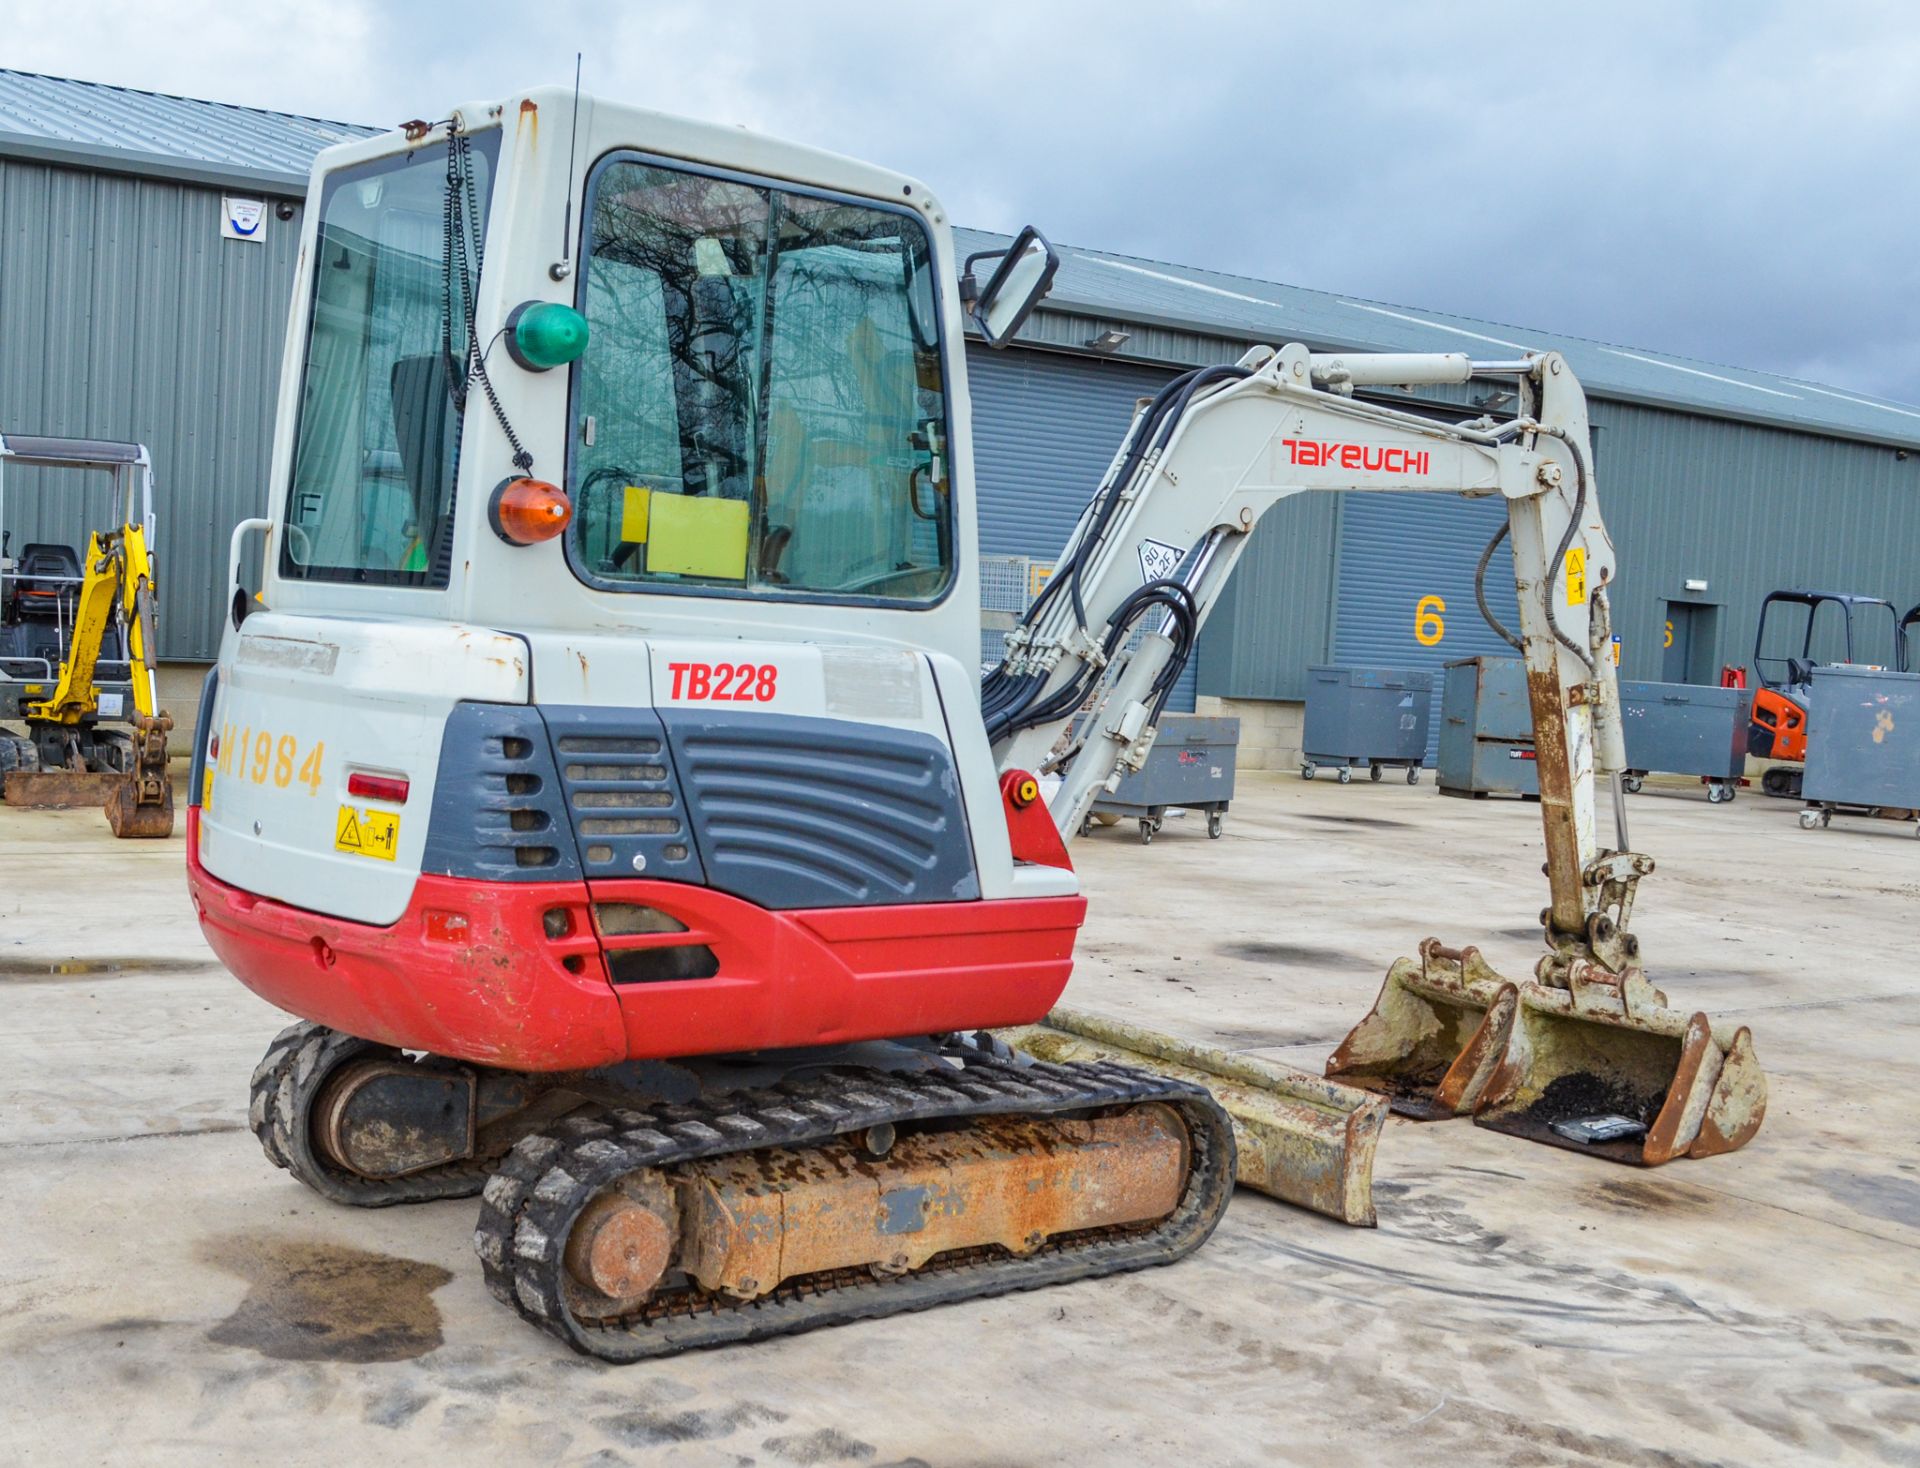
x: 46, y: 574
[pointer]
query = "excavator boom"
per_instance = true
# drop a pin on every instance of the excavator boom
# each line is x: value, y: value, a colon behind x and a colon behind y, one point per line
x: 1586, y: 1054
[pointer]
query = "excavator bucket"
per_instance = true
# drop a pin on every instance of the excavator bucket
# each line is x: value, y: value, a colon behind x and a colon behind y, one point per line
x: 1604, y: 1066
x: 140, y: 802
x: 1433, y: 1037
x: 1300, y: 1138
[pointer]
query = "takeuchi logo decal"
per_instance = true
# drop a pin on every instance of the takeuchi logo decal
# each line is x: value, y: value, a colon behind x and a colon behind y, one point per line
x: 1369, y: 458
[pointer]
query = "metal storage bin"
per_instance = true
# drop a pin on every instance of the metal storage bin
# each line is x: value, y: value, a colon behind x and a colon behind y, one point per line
x: 1486, y: 729
x: 1191, y: 765
x: 1372, y: 717
x: 1863, y: 744
x: 1686, y: 729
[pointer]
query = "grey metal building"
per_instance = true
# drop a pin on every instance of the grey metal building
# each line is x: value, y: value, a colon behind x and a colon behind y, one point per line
x: 128, y: 308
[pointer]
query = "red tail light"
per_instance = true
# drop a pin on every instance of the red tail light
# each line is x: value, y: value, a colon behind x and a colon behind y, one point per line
x: 378, y: 787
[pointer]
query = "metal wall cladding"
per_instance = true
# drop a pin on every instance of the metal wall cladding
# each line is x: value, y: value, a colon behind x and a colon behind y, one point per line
x: 1046, y: 426
x: 124, y: 315
x: 1748, y: 510
x: 1405, y: 585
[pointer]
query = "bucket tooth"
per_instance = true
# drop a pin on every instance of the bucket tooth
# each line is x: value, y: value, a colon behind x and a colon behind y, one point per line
x: 1433, y: 1037
x: 1300, y: 1138
x: 1607, y: 1046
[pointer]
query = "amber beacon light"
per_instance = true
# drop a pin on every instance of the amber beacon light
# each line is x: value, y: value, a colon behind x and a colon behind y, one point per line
x: 527, y: 511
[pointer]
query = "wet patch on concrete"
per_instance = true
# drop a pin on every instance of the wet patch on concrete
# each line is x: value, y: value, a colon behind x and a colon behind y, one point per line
x: 1636, y: 1195
x: 1378, y: 822
x: 1296, y: 953
x: 1895, y: 1199
x: 79, y: 970
x: 650, y: 1429
x: 828, y: 1445
x: 312, y: 1301
x: 1533, y: 934
x: 1272, y: 1039
x: 396, y: 1408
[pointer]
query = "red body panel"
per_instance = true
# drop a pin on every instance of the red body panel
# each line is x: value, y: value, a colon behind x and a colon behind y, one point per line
x: 470, y: 970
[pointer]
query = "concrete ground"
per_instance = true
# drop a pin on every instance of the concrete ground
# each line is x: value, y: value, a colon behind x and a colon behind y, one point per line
x: 167, y: 1297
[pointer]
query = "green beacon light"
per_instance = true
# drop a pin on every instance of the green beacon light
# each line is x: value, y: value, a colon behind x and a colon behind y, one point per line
x: 545, y: 334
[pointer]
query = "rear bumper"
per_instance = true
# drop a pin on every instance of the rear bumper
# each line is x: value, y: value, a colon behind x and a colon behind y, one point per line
x: 470, y: 969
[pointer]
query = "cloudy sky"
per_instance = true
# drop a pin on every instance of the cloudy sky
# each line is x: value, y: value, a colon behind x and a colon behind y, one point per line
x: 1726, y: 181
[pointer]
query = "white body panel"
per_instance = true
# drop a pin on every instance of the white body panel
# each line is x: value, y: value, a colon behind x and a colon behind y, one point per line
x: 369, y: 696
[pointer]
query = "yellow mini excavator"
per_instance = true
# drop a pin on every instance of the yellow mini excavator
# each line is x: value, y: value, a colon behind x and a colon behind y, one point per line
x: 77, y: 645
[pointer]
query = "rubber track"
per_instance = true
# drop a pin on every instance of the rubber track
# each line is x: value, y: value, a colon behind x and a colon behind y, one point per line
x: 285, y: 1084
x: 531, y: 1203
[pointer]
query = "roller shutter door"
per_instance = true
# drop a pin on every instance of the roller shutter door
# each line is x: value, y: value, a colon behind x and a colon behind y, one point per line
x: 1045, y: 427
x: 1406, y: 584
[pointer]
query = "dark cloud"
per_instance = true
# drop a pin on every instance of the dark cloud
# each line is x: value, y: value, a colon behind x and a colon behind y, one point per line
x: 1727, y: 182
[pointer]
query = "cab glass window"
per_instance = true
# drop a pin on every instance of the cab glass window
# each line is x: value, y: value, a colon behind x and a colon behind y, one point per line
x: 760, y: 409
x: 377, y: 448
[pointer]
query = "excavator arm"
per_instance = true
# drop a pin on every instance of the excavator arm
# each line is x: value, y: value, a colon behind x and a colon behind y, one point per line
x: 1209, y: 456
x: 117, y: 587
x: 1587, y: 1053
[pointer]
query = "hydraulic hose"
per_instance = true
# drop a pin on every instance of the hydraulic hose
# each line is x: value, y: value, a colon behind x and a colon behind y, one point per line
x: 1480, y: 591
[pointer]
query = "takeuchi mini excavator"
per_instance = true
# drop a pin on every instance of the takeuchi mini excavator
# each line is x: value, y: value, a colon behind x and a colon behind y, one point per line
x: 604, y: 776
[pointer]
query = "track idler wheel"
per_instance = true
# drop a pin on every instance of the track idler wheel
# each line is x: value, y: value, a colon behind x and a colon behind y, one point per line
x: 361, y: 1124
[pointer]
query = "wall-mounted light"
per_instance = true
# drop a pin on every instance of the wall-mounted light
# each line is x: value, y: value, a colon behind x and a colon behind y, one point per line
x: 1109, y: 341
x: 1694, y: 583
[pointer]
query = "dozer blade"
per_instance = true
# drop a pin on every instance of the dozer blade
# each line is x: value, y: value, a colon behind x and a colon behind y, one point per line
x: 1299, y: 1138
x: 59, y: 789
x: 1433, y: 1037
x: 1607, y: 1055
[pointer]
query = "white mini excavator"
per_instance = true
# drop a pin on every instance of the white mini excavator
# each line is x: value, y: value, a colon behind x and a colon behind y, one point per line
x: 603, y: 776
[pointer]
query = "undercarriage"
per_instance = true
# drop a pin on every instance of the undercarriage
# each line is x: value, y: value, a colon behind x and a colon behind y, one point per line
x: 657, y: 1207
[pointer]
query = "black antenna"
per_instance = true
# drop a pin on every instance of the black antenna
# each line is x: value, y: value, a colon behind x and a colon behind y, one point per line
x: 563, y: 267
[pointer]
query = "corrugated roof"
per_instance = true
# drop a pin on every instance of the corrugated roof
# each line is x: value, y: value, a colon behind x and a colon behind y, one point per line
x: 95, y: 125
x: 147, y: 132
x: 1119, y: 287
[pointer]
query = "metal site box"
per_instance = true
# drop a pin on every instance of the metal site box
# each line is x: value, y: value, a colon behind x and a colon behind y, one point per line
x: 1374, y: 717
x: 1190, y: 765
x: 1686, y: 729
x: 1863, y: 739
x: 1486, y: 729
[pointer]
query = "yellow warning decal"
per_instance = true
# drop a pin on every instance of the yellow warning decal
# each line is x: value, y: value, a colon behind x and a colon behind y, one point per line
x: 367, y: 832
x: 1576, y: 576
x: 206, y: 787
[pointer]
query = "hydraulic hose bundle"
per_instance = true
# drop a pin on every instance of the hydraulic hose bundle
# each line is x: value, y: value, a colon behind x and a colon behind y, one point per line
x: 1014, y: 699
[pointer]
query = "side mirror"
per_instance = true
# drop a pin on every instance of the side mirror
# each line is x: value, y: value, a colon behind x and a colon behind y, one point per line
x: 1019, y: 283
